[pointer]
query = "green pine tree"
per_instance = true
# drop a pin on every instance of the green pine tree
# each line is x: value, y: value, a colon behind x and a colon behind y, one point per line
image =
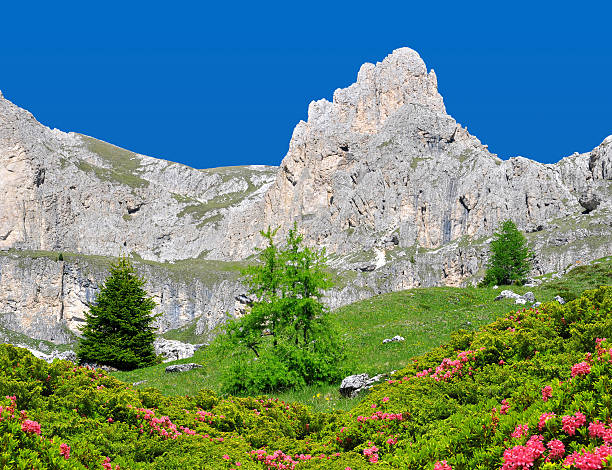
x: 287, y: 329
x: 510, y: 259
x: 118, y: 331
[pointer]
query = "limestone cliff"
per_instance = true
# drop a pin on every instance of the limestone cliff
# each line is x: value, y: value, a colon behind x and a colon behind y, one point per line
x: 399, y: 193
x: 383, y: 169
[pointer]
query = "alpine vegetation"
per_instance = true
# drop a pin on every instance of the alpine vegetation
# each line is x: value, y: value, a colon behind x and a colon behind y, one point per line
x: 286, y: 340
x: 509, y: 262
x: 119, y: 328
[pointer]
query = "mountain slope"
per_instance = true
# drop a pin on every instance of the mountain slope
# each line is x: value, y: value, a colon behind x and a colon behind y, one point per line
x: 383, y: 177
x: 69, y: 192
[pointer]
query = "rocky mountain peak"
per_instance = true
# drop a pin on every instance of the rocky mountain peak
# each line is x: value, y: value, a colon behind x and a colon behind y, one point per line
x: 380, y: 90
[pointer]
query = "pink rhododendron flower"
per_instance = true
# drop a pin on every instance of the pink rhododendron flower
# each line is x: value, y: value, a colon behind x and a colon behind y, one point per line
x: 589, y: 460
x: 520, y: 431
x: 505, y: 406
x: 65, y: 450
x: 582, y: 368
x: 523, y: 457
x: 442, y: 465
x: 569, y: 424
x: 597, y: 429
x: 543, y: 418
x: 546, y: 392
x: 30, y: 426
x: 556, y: 448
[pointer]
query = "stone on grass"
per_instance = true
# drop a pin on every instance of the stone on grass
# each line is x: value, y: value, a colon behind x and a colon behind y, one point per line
x: 529, y: 297
x: 173, y: 350
x: 352, y: 385
x: 182, y: 367
x: 507, y: 294
x: 396, y: 338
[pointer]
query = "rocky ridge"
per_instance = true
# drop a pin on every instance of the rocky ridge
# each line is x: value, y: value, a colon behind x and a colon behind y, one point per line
x: 399, y: 193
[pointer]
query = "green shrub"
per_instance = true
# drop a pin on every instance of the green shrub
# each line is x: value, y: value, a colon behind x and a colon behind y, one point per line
x: 461, y: 403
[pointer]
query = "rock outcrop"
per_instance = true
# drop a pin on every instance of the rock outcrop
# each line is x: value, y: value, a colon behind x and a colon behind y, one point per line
x: 46, y: 299
x: 397, y: 191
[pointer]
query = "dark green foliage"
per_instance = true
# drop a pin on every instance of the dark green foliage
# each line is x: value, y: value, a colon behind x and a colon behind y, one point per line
x: 118, y: 330
x: 286, y: 340
x: 458, y: 419
x: 509, y: 262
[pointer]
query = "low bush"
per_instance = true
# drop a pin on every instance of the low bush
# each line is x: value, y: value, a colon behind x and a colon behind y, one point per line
x: 532, y: 390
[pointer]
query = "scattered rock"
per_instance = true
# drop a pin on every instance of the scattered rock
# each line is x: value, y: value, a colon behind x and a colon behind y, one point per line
x: 367, y: 268
x: 495, y: 287
x: 135, y: 384
x: 352, y: 385
x: 244, y: 299
x: 532, y: 282
x: 182, y: 367
x: 507, y: 294
x: 62, y: 355
x: 396, y: 338
x: 589, y: 202
x: 529, y: 297
x: 173, y: 350
x: 537, y: 304
x: 534, y: 227
x: 95, y: 365
x: 390, y: 241
x: 518, y: 299
x: 559, y: 299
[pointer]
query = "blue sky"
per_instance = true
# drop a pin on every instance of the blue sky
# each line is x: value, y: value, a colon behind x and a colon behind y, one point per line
x: 210, y: 85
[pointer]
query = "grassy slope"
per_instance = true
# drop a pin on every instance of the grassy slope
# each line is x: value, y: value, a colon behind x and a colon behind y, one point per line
x: 424, y: 317
x: 407, y: 422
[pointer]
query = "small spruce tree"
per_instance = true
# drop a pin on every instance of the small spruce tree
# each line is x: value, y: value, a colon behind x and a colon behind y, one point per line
x: 118, y: 331
x: 510, y: 259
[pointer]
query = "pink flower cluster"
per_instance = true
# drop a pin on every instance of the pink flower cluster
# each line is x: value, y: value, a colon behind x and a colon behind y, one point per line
x: 282, y: 461
x: 589, y: 460
x: 597, y: 429
x: 65, y: 450
x: 520, y: 431
x: 30, y: 426
x: 546, y: 392
x: 523, y: 457
x: 106, y: 465
x: 543, y: 418
x: 505, y: 406
x: 601, y: 350
x: 371, y: 452
x: 556, y: 449
x: 278, y: 459
x: 379, y: 415
x: 582, y: 368
x: 163, y: 426
x: 442, y: 465
x: 448, y: 368
x: 570, y: 423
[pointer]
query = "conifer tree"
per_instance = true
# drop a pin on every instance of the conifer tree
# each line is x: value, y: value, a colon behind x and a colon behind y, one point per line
x: 118, y: 331
x: 510, y: 259
x: 288, y: 328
